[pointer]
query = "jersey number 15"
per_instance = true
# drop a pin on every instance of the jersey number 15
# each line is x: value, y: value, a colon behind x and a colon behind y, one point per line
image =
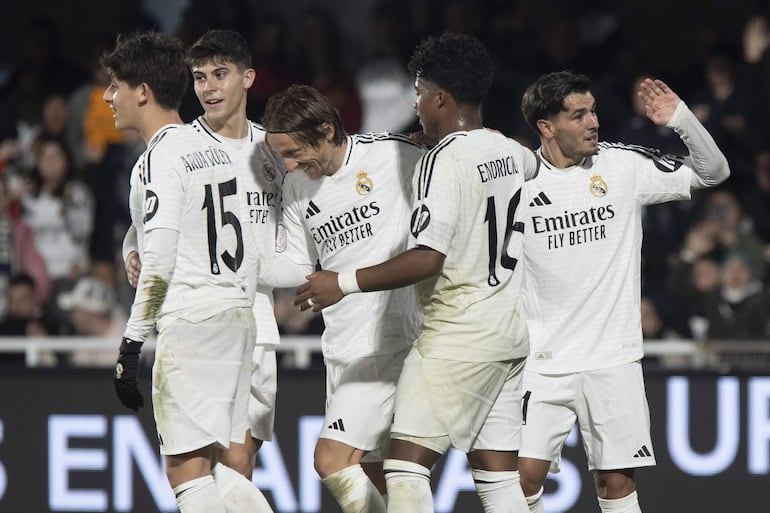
x: 225, y: 189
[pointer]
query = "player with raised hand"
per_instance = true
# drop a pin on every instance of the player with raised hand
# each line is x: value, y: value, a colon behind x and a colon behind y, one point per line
x: 583, y: 239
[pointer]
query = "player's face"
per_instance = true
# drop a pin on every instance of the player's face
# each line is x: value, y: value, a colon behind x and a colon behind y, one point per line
x: 315, y: 162
x: 424, y: 106
x: 221, y: 89
x: 123, y: 101
x: 576, y: 128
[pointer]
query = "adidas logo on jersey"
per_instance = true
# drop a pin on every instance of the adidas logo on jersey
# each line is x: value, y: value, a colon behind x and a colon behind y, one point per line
x: 644, y: 452
x: 312, y: 209
x: 337, y: 425
x: 540, y: 200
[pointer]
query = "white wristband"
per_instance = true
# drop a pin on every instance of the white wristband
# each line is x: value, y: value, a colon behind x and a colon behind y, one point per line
x: 348, y: 283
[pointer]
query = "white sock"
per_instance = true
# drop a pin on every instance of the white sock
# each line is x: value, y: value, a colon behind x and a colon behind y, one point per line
x: 354, y: 491
x: 500, y: 492
x: 199, y: 496
x: 239, y: 494
x: 408, y: 487
x: 628, y: 504
x: 535, y: 502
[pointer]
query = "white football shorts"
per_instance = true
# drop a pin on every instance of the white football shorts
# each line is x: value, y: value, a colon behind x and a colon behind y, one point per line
x: 359, y: 402
x: 200, y: 381
x: 263, y: 389
x: 466, y: 405
x: 610, y: 407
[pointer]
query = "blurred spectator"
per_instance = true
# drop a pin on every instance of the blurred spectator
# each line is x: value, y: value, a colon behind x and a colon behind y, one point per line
x: 18, y: 250
x: 322, y: 63
x: 756, y: 201
x: 384, y: 86
x: 270, y: 60
x: 728, y: 109
x: 23, y: 315
x: 654, y: 325
x: 59, y: 209
x: 93, y: 311
x: 739, y: 308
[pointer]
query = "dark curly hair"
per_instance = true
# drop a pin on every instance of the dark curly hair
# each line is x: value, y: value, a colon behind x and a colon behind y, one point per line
x: 220, y: 46
x: 458, y: 63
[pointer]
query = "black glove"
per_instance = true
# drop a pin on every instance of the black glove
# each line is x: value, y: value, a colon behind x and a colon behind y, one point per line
x: 125, y: 374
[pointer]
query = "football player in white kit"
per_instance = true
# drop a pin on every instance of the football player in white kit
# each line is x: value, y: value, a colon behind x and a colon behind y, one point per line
x: 461, y: 383
x: 346, y: 200
x: 583, y: 239
x: 220, y: 61
x: 192, y: 288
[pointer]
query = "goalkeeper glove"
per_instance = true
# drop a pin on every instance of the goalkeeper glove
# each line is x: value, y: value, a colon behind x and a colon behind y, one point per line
x: 125, y: 374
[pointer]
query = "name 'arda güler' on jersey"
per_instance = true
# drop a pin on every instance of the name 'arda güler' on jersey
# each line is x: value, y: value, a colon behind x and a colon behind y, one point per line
x: 210, y: 157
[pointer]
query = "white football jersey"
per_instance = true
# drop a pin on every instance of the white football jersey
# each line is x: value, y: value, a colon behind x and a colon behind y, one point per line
x: 355, y: 218
x: 259, y: 188
x: 583, y: 240
x: 468, y: 194
x: 185, y: 183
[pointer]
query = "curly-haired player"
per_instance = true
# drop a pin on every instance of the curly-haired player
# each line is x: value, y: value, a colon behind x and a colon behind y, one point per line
x: 461, y: 382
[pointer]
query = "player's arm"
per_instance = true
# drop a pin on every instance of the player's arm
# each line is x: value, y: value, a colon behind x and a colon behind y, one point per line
x: 158, y: 261
x: 664, y: 107
x: 326, y: 288
x: 130, y: 252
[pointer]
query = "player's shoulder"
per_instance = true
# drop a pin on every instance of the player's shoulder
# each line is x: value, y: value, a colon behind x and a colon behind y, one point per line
x: 622, y: 152
x: 392, y: 140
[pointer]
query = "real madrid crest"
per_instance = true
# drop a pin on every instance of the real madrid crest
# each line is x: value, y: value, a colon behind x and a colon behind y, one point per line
x: 364, y: 184
x: 268, y: 169
x: 598, y: 186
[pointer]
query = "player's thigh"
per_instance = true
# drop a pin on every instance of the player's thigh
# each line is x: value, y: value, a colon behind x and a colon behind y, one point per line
x: 501, y: 430
x: 614, y: 418
x: 201, y: 371
x: 359, y: 402
x: 263, y: 391
x: 548, y: 409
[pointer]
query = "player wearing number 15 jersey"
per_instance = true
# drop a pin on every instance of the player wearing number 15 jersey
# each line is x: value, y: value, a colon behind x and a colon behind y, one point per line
x: 192, y: 287
x: 461, y: 382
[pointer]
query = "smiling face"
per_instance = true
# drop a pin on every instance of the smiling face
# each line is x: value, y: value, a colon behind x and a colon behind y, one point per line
x: 124, y: 101
x: 315, y: 162
x: 221, y: 89
x: 576, y: 129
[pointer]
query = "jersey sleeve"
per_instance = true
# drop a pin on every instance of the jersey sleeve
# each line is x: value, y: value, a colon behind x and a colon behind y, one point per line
x: 436, y: 191
x: 659, y: 177
x: 164, y: 192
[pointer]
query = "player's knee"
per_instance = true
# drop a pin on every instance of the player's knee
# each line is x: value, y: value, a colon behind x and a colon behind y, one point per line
x: 240, y: 461
x: 532, y: 475
x: 614, y: 484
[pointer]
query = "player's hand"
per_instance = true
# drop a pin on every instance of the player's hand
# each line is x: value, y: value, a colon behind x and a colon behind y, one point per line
x: 321, y: 289
x: 133, y: 267
x: 660, y: 102
x: 126, y: 372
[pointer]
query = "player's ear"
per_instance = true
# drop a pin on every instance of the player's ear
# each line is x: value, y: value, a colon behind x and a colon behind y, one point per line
x: 328, y: 130
x: 545, y: 127
x: 248, y: 78
x: 144, y: 93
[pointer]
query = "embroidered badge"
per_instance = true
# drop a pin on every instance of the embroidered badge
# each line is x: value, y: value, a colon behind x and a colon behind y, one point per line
x: 598, y: 186
x: 364, y: 184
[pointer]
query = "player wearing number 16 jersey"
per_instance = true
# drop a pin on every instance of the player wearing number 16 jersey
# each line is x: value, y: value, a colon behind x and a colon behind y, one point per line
x: 193, y: 286
x: 461, y: 382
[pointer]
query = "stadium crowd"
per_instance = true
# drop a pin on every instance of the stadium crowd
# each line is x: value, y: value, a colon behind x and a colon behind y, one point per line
x: 64, y: 166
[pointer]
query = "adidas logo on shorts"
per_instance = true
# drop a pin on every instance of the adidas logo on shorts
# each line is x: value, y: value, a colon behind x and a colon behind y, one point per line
x: 337, y: 425
x: 644, y: 452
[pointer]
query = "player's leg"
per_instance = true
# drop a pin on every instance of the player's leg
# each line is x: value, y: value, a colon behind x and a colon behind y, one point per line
x: 407, y: 473
x: 494, y: 456
x: 548, y: 417
x: 357, y: 393
x: 621, y: 409
x: 189, y: 475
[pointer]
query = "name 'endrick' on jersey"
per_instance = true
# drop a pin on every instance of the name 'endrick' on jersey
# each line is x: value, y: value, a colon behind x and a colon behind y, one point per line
x: 497, y: 168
